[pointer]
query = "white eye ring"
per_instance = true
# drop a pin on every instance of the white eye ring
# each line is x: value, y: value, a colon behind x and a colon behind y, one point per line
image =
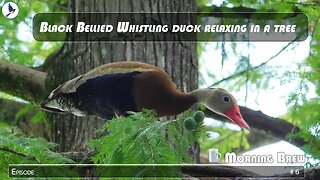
x: 226, y: 99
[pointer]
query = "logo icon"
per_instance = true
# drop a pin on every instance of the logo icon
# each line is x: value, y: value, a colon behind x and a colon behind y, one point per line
x: 10, y: 10
x: 214, y: 155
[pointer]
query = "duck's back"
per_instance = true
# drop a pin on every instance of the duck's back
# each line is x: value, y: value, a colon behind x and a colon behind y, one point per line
x: 115, y: 89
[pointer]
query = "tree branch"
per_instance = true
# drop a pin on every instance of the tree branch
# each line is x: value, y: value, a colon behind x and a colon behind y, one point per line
x: 9, y: 110
x: 217, y: 11
x: 84, y: 157
x: 23, y: 82
x: 237, y: 74
x: 20, y: 154
x: 279, y: 128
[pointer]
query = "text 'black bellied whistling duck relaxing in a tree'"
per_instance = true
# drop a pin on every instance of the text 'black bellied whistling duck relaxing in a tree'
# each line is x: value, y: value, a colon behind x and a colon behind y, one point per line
x: 119, y: 87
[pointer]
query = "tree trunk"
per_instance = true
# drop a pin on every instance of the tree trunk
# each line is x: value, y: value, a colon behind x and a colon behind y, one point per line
x: 177, y: 59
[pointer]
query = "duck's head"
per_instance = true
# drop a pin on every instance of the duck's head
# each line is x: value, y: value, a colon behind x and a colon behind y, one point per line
x: 221, y: 102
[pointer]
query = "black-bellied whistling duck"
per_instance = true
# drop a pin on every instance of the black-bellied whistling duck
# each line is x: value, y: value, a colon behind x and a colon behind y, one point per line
x: 116, y: 88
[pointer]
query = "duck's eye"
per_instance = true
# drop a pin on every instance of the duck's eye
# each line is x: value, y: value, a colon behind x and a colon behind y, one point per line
x: 226, y: 99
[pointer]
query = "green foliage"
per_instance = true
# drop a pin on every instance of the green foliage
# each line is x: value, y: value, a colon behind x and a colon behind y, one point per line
x: 24, y: 111
x: 305, y: 109
x: 16, y: 148
x: 17, y: 43
x: 306, y: 115
x: 254, y: 75
x: 36, y: 118
x: 202, y: 3
x: 141, y: 138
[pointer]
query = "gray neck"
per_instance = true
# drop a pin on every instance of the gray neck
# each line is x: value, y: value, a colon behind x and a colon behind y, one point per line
x: 201, y: 95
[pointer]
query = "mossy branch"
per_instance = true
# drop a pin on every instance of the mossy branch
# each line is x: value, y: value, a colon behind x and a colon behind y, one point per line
x: 22, y: 82
x: 20, y: 154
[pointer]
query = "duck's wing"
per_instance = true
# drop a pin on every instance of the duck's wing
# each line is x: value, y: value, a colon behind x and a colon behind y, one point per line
x: 108, y: 87
x: 107, y: 69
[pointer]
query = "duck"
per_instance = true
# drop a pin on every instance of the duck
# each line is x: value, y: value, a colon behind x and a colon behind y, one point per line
x: 117, y: 88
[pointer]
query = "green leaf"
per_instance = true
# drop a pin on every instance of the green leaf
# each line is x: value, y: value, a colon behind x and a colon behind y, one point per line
x: 141, y: 138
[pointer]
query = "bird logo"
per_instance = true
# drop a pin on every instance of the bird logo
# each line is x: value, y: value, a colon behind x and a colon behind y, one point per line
x: 10, y: 10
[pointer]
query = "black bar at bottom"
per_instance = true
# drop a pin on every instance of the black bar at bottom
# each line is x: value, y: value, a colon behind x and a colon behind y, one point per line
x: 152, y: 170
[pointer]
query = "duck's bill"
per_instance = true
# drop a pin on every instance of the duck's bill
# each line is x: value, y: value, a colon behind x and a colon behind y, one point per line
x: 234, y: 115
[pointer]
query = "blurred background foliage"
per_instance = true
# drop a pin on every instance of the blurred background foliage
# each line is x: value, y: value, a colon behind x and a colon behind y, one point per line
x: 18, y: 46
x: 256, y: 75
